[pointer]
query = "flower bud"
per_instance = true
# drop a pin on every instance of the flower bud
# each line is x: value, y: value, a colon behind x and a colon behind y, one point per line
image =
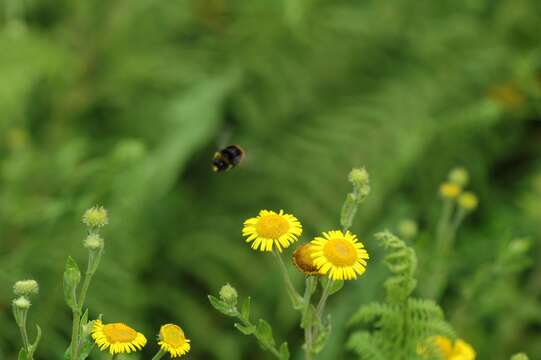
x: 228, y: 294
x: 520, y: 356
x: 93, y: 242
x: 302, y: 258
x: 21, y: 303
x: 25, y: 287
x: 449, y: 190
x: 95, y: 217
x: 459, y: 176
x: 408, y: 229
x: 361, y: 181
x: 519, y: 246
x: 468, y: 201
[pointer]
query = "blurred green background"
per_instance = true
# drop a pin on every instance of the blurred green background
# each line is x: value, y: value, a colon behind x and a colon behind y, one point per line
x: 123, y: 103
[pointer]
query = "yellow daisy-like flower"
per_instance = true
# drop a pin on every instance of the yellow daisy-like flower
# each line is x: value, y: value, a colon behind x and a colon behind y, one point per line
x: 459, y: 350
x: 340, y: 256
x: 270, y: 228
x: 117, y: 337
x: 173, y: 341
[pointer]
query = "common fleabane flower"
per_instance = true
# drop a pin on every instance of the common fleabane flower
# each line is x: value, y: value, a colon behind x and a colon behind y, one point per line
x: 173, y: 340
x: 339, y: 255
x: 270, y: 229
x: 457, y: 350
x: 117, y: 338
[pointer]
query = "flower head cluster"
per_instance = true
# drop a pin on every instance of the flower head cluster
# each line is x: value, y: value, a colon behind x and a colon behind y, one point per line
x: 452, y: 189
x: 95, y: 217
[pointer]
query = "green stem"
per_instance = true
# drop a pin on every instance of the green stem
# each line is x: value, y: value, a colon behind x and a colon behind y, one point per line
x: 75, y: 333
x: 24, y: 335
x: 246, y: 322
x: 159, y: 355
x: 307, y: 323
x: 323, y: 299
x: 296, y: 299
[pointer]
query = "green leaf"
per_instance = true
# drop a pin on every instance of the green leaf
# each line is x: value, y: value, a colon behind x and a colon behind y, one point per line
x: 284, y: 351
x: 38, y: 338
x: 336, y: 286
x: 323, y: 334
x: 264, y: 333
x: 246, y: 330
x: 222, y: 306
x: 245, y: 312
x: 72, y: 277
x: 307, y: 316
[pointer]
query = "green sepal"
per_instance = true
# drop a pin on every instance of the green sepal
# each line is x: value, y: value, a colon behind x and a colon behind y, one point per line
x: 336, y: 286
x: 72, y: 277
x: 245, y: 311
x: 222, y: 306
x: 246, y: 330
x: 264, y: 333
x: 284, y: 351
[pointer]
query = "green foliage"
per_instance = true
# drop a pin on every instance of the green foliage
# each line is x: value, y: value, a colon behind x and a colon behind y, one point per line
x: 401, y: 324
x: 262, y: 331
x: 124, y: 103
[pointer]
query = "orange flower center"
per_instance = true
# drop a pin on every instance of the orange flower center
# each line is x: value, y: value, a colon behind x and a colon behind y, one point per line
x: 340, y: 252
x: 119, y: 333
x: 272, y: 226
x: 172, y: 335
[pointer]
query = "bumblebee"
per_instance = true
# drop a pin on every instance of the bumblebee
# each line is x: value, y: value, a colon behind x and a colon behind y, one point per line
x: 227, y: 158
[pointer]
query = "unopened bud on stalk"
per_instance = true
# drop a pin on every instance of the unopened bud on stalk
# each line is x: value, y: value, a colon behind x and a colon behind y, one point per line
x: 520, y: 356
x: 25, y: 287
x: 519, y: 246
x: 361, y: 181
x: 228, y: 294
x: 95, y: 217
x: 450, y: 190
x: 468, y: 201
x: 22, y: 303
x: 408, y: 229
x: 459, y: 176
x: 93, y: 242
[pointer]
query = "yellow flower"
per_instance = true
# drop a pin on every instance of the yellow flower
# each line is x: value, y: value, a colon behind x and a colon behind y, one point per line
x: 173, y: 341
x: 340, y: 256
x: 459, y: 350
x: 117, y: 337
x: 449, y: 190
x: 270, y: 228
x: 302, y: 258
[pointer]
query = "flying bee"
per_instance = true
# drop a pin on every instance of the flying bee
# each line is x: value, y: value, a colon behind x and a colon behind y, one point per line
x: 227, y: 158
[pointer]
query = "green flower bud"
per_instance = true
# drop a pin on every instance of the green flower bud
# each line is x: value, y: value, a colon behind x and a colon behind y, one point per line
x: 25, y: 287
x: 228, y: 294
x: 468, y: 201
x: 519, y: 246
x: 520, y: 356
x: 95, y: 217
x: 459, y: 176
x: 21, y: 303
x: 407, y: 228
x: 361, y: 181
x: 93, y: 242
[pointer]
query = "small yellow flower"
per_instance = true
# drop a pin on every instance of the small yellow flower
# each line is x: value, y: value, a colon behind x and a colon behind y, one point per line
x: 173, y: 341
x: 459, y: 350
x: 449, y: 190
x: 468, y: 201
x: 340, y: 256
x: 117, y: 337
x: 270, y: 228
x: 302, y: 258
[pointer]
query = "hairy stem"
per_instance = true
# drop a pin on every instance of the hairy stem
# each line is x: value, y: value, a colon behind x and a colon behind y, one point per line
x: 296, y: 299
x: 159, y: 355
